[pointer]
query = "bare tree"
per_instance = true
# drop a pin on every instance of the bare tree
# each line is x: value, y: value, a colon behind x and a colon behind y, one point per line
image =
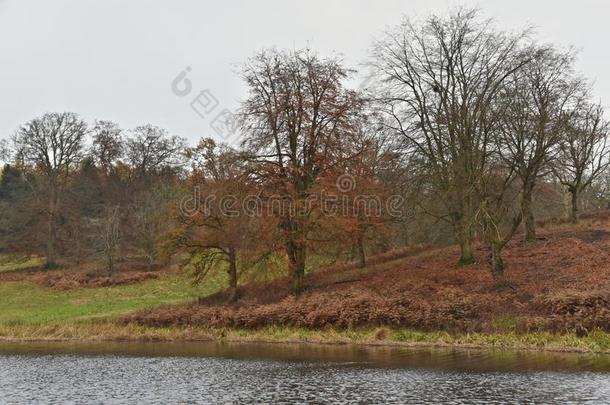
x: 107, y: 145
x: 438, y: 83
x: 52, y: 145
x: 5, y: 152
x: 154, y: 158
x: 499, y: 215
x: 18, y: 212
x: 149, y: 221
x: 298, y: 120
x: 532, y: 124
x: 584, y: 152
x: 110, y: 236
x: 151, y: 149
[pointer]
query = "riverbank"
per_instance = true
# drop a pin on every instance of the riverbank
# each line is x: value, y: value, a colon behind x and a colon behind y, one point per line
x: 556, y: 296
x: 595, y: 342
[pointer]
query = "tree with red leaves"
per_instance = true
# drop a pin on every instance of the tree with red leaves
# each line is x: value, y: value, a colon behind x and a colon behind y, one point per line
x: 299, y: 122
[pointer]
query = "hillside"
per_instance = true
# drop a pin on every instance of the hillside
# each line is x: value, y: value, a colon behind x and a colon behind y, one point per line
x: 33, y: 296
x: 556, y: 289
x: 560, y: 283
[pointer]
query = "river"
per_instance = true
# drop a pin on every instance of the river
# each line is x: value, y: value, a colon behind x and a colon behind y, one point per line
x: 168, y: 373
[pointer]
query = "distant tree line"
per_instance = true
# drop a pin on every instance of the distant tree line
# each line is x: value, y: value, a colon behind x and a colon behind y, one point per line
x: 472, y: 133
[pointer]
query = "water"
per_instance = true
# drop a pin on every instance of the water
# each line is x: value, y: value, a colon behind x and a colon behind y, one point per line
x: 279, y: 373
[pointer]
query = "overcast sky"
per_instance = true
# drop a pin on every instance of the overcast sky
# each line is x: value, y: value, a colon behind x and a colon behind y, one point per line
x: 115, y: 60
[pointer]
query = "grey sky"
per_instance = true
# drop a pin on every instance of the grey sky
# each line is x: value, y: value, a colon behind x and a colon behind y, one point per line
x: 115, y: 60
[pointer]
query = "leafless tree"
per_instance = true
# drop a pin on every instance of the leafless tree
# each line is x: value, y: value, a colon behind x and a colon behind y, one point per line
x: 531, y: 126
x: 5, y: 152
x: 149, y: 221
x: 584, y: 152
x: 499, y: 214
x: 438, y: 81
x: 151, y: 149
x: 108, y: 144
x: 52, y: 145
x: 110, y: 236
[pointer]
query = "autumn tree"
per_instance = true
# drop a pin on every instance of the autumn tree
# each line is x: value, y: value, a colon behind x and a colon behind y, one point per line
x: 437, y: 84
x: 363, y: 195
x: 297, y: 120
x: 214, y: 226
x: 52, y: 145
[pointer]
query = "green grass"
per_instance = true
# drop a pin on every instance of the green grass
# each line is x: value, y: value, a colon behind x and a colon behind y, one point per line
x: 505, y: 324
x: 32, y: 312
x: 26, y: 303
x: 26, y: 263
x: 23, y: 303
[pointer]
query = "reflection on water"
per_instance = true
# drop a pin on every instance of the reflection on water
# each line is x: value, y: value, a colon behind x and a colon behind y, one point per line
x: 242, y: 373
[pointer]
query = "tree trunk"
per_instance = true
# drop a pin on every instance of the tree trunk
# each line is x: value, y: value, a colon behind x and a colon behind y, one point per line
x: 528, y: 215
x: 110, y: 265
x: 232, y: 276
x: 78, y: 252
x: 466, y: 254
x: 464, y: 236
x: 575, y: 212
x: 296, y: 264
x: 497, y: 264
x: 361, y: 254
x: 151, y: 257
x: 50, y: 263
x: 352, y: 252
x: 295, y: 251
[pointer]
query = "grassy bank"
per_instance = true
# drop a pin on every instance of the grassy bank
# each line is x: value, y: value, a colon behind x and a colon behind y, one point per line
x: 557, y: 286
x: 7, y: 264
x: 29, y: 312
x: 596, y: 342
x: 26, y: 303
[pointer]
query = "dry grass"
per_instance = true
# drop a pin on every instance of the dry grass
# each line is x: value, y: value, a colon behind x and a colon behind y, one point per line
x: 84, y: 275
x: 596, y: 342
x: 560, y: 283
